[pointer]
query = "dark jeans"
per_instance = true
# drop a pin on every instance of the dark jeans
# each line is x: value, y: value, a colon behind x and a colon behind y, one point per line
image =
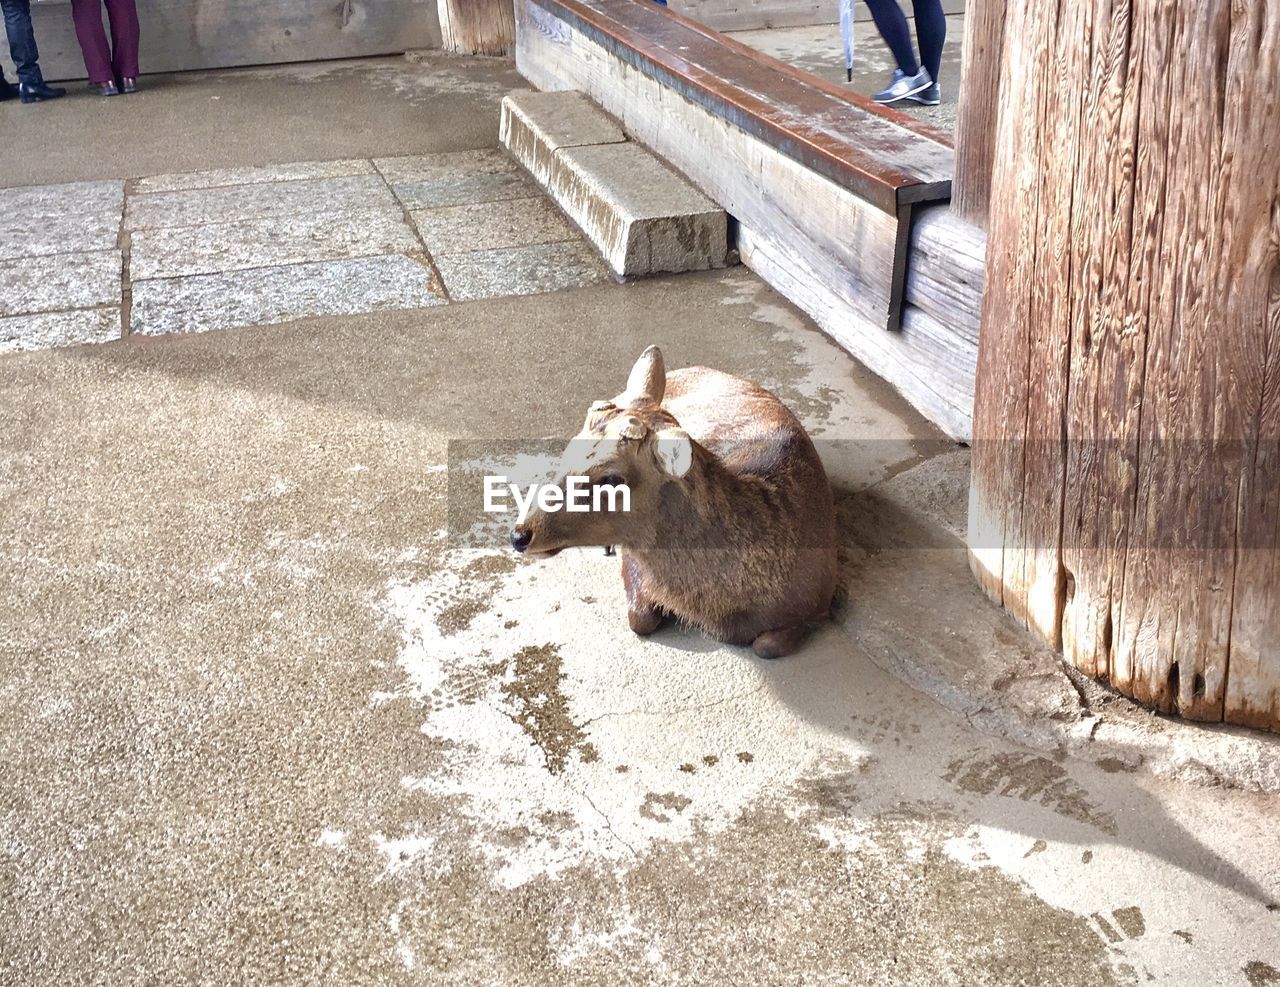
x: 931, y: 32
x: 22, y: 40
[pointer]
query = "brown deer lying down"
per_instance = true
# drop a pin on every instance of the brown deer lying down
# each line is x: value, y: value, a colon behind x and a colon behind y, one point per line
x: 731, y: 524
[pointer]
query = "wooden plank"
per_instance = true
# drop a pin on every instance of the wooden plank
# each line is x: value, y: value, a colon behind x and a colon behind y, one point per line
x: 810, y: 80
x: 750, y: 15
x: 1173, y: 628
x: 1003, y: 381
x: 1140, y: 239
x: 831, y: 132
x: 815, y: 241
x: 945, y: 270
x: 179, y: 35
x: 979, y: 109
x: 477, y: 27
x: 850, y: 243
x: 818, y: 243
x: 1111, y: 221
x: 1252, y: 265
x: 925, y: 360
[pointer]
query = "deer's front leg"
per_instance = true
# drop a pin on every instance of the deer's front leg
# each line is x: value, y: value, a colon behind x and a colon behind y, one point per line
x: 642, y: 614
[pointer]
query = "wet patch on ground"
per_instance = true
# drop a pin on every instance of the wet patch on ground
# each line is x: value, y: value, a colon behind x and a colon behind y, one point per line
x: 532, y: 684
x: 1031, y: 778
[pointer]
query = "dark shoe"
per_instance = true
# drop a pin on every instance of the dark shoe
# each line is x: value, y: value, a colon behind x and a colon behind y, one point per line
x: 928, y: 97
x: 104, y: 88
x: 903, y: 85
x: 7, y: 91
x: 38, y: 92
x: 128, y: 85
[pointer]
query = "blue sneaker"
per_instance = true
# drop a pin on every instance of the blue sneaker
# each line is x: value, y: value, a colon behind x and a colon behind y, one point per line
x: 903, y: 86
x: 928, y: 97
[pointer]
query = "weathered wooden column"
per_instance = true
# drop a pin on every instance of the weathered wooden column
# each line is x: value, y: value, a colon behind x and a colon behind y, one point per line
x: 1125, y: 499
x: 979, y: 109
x: 478, y: 27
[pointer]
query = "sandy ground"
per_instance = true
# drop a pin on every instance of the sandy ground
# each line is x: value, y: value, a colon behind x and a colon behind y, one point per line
x: 265, y: 720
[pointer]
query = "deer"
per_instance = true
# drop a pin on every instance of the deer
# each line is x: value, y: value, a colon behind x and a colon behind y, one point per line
x: 731, y: 520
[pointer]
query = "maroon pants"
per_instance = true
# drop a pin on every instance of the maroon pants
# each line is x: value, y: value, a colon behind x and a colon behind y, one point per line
x: 106, y: 62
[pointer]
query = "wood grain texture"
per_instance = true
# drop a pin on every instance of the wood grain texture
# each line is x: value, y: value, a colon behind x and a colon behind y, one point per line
x: 747, y: 15
x: 477, y: 27
x: 179, y: 35
x: 1125, y: 475
x: 945, y: 270
x: 876, y: 152
x: 820, y: 244
x: 979, y: 109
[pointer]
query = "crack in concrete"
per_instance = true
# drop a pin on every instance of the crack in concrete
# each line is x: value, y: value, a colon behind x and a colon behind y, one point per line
x: 676, y: 710
x: 608, y: 824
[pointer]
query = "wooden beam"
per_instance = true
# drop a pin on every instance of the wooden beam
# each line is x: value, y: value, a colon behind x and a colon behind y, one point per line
x: 750, y: 15
x: 1127, y: 424
x: 979, y: 109
x: 477, y: 27
x: 816, y: 239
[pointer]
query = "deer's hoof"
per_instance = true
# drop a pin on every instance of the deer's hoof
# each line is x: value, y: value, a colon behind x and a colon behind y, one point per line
x: 779, y: 642
x: 644, y: 622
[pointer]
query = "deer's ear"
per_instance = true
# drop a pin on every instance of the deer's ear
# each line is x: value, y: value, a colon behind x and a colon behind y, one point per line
x: 674, y: 451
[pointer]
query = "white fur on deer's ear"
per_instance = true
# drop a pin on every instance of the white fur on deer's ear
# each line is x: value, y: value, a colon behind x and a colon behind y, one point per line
x: 674, y: 450
x: 647, y: 383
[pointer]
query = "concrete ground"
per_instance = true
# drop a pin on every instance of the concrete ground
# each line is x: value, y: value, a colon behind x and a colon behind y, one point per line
x: 264, y: 719
x: 820, y: 50
x: 195, y: 121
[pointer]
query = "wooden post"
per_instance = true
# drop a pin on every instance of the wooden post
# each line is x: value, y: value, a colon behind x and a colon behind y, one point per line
x: 979, y: 108
x: 1125, y: 499
x: 478, y: 27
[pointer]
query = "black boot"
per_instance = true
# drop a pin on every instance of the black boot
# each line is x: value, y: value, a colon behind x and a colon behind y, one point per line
x: 38, y: 91
x: 7, y: 91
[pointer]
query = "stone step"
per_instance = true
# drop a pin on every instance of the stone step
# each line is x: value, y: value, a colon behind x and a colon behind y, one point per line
x: 641, y: 215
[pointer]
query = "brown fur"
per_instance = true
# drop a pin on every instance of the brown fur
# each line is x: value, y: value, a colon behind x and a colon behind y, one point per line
x: 732, y: 525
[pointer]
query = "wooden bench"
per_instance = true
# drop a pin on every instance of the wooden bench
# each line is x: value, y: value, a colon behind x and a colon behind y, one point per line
x: 823, y: 183
x: 620, y: 50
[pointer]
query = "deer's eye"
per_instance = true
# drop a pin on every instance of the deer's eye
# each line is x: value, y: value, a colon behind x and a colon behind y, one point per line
x: 610, y: 480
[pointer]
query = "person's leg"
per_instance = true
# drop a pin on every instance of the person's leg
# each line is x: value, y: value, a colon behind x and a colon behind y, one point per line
x: 22, y: 40
x: 87, y: 15
x: 931, y: 32
x: 892, y: 25
x: 124, y: 37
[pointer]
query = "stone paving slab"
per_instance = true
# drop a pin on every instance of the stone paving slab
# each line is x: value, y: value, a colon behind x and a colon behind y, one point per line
x: 493, y: 226
x: 221, y: 205
x: 432, y: 181
x: 254, y: 176
x: 59, y: 282
x: 28, y: 236
x: 262, y: 296
x: 176, y: 251
x: 521, y: 270
x: 44, y: 330
x: 466, y: 190
x: 433, y: 167
x: 25, y: 202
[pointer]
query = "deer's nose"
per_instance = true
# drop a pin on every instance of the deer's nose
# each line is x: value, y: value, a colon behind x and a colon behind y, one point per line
x: 520, y: 539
